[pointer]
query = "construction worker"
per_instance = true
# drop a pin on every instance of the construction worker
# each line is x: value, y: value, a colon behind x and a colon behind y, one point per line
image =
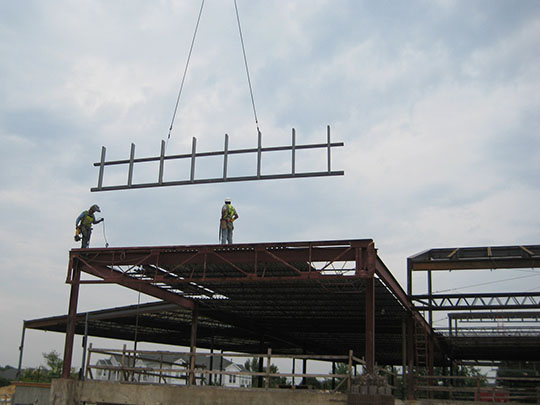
x: 228, y: 216
x: 83, y: 225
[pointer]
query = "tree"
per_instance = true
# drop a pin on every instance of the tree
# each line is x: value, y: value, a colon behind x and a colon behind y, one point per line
x: 45, y: 374
x: 516, y: 369
x: 327, y: 384
x: 253, y: 365
x: 54, y: 363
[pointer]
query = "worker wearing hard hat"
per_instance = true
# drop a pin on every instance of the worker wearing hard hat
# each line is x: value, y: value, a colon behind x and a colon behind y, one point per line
x: 83, y: 225
x: 228, y: 216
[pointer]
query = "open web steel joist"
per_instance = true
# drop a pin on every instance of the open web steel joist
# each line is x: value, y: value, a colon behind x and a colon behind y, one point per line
x: 296, y: 297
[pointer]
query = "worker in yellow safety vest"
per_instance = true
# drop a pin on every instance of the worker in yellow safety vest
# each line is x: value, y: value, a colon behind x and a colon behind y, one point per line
x: 83, y: 225
x: 228, y: 216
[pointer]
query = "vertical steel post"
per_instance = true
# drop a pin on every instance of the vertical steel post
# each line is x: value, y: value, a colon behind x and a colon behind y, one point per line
x: 84, y: 344
x: 409, y: 278
x: 430, y: 299
x: 21, y: 350
x: 161, y: 162
x: 130, y: 170
x: 221, y: 368
x: 211, y: 361
x: 71, y: 321
x: 193, y: 344
x: 410, y: 356
x: 259, y: 153
x: 293, y: 370
x: 370, y: 324
x: 304, y: 369
x: 333, y: 372
x: 225, y: 156
x: 101, y: 168
x: 293, y: 149
x: 403, y: 354
x: 193, y: 151
x: 430, y: 359
x: 268, y: 360
x: 260, y: 365
x: 329, y: 147
x: 349, y: 376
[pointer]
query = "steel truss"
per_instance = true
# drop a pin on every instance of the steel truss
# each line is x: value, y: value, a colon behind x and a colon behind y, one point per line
x: 496, y: 301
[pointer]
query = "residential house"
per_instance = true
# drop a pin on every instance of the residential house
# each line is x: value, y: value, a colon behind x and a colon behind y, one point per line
x: 170, y: 369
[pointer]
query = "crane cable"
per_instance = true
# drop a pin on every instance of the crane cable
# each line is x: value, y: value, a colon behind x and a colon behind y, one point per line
x: 189, y: 58
x: 246, y: 64
x: 185, y: 70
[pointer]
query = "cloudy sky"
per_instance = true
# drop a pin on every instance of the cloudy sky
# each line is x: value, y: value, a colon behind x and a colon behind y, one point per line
x: 437, y: 102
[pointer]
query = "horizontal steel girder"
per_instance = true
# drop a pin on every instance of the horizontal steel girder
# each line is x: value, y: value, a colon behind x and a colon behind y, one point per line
x: 476, y: 258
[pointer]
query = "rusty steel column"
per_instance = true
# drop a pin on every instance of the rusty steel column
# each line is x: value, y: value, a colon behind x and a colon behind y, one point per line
x: 370, y: 324
x: 410, y: 356
x: 370, y: 308
x: 431, y: 353
x: 193, y: 345
x: 71, y: 320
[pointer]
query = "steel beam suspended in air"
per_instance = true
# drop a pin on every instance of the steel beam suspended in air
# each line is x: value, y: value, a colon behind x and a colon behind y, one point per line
x: 192, y: 178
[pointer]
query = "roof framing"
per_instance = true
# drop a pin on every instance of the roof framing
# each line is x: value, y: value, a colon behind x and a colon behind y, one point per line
x: 296, y: 297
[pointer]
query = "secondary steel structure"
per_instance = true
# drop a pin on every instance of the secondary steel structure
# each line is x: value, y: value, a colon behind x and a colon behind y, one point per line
x: 483, y: 343
x: 259, y: 150
x: 296, y: 297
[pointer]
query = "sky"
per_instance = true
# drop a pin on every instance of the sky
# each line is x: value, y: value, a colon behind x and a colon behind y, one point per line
x: 437, y: 103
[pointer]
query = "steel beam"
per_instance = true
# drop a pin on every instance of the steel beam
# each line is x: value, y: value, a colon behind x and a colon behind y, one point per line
x: 477, y: 258
x: 259, y: 150
x: 126, y: 281
x: 193, y: 344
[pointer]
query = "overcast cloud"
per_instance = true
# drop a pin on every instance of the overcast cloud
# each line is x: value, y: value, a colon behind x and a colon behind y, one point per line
x: 437, y: 102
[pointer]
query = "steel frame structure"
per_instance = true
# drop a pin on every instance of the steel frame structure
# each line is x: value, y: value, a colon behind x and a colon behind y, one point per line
x: 481, y: 343
x: 473, y: 258
x: 296, y: 297
x: 302, y: 298
x: 226, y: 152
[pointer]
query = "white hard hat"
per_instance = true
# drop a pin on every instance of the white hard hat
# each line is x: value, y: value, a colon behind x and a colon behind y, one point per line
x: 228, y: 199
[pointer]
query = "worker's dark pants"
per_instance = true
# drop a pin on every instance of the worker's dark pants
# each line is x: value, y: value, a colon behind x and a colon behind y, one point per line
x: 86, y: 233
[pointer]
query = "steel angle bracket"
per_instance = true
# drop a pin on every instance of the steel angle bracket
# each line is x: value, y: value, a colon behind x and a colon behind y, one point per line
x: 225, y: 153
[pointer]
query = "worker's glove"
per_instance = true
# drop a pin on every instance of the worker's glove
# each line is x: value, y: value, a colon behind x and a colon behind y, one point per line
x: 100, y: 220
